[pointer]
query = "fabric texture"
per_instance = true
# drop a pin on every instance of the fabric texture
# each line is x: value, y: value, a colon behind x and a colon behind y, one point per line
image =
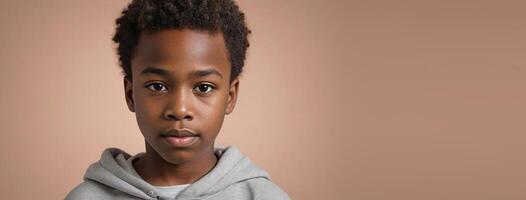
x: 233, y: 177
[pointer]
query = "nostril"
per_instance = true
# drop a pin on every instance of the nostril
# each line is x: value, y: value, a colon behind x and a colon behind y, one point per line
x: 172, y: 116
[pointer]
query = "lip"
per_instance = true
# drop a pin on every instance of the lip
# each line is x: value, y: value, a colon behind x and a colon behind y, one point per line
x: 184, y: 137
x: 181, y: 141
x: 184, y: 132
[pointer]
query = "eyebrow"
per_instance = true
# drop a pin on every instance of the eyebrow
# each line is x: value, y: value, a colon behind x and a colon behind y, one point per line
x: 154, y: 70
x: 197, y: 73
x: 206, y: 72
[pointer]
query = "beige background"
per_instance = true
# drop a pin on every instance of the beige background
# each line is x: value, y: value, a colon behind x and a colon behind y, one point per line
x: 364, y: 100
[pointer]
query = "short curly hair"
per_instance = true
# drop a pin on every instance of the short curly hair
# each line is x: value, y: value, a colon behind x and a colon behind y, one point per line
x: 209, y: 15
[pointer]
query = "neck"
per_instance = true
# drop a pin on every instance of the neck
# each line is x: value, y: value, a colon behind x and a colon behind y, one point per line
x: 158, y: 172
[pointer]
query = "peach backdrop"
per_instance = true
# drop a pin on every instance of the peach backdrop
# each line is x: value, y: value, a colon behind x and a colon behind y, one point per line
x: 364, y: 100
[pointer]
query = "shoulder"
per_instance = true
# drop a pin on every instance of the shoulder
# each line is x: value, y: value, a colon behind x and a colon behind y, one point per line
x: 85, y: 191
x: 262, y: 189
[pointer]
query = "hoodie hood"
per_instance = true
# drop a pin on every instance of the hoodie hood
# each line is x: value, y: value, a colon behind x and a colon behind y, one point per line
x: 232, y: 167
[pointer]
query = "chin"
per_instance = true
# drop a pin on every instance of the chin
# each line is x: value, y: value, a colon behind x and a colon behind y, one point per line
x: 178, y: 155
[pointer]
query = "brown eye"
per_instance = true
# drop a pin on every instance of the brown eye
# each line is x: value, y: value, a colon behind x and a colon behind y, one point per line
x: 157, y: 87
x: 204, y: 88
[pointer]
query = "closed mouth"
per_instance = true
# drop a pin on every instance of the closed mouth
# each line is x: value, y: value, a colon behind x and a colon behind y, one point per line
x: 185, y: 132
x: 180, y: 137
x: 176, y: 141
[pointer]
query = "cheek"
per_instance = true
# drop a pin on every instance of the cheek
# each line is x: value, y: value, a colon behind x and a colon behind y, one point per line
x: 147, y: 112
x: 212, y: 111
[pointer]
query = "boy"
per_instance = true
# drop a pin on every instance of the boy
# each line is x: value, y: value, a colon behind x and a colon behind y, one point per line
x: 181, y: 60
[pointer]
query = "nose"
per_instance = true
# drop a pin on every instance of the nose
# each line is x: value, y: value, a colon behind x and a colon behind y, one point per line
x: 179, y: 106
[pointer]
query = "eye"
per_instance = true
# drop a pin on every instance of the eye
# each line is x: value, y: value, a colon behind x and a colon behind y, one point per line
x: 204, y: 88
x: 156, y: 87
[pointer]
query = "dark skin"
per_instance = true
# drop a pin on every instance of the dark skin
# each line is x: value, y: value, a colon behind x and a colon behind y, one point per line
x: 181, y: 79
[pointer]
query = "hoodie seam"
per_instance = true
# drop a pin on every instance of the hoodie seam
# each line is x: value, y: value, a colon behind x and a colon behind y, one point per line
x: 215, y: 184
x: 226, y: 175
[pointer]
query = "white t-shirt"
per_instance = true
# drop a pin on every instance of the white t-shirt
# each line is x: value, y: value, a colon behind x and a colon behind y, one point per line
x: 166, y: 191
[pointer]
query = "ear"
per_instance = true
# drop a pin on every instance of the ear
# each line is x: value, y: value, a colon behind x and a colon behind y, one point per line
x: 128, y: 93
x: 232, y: 96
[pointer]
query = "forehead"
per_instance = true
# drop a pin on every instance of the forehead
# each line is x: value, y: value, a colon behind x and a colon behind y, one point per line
x: 181, y: 49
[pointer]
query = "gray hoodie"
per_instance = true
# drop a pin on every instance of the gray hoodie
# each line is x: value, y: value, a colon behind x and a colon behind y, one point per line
x: 233, y: 177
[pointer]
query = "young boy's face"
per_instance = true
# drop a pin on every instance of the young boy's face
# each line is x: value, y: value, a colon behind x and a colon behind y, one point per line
x: 181, y: 79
